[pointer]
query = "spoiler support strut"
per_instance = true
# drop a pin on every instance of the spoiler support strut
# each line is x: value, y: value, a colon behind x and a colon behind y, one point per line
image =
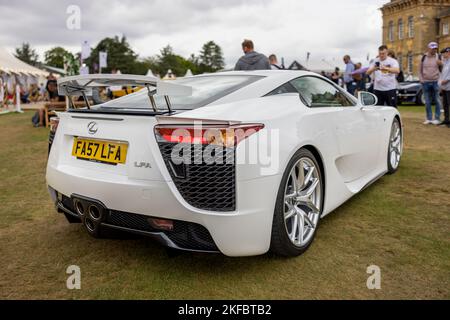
x: 152, y: 99
x: 83, y: 85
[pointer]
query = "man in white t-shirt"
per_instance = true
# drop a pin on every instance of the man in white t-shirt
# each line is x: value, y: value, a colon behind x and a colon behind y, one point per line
x: 384, y: 70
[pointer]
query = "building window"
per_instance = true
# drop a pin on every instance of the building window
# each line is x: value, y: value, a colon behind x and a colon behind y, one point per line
x: 400, y: 60
x: 411, y: 27
x: 410, y: 63
x: 445, y: 30
x: 400, y: 29
x: 391, y: 31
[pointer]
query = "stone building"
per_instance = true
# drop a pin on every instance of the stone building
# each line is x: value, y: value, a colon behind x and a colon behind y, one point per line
x: 409, y: 25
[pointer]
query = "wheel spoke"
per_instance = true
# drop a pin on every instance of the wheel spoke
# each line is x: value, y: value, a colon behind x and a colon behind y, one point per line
x: 294, y: 181
x: 309, y: 204
x: 393, y: 159
x: 308, y: 192
x: 308, y: 176
x: 301, y: 227
x: 290, y: 196
x: 309, y: 222
x: 306, y: 218
x: 288, y: 204
x: 301, y: 175
x: 294, y: 228
x: 305, y: 197
x: 289, y: 214
x: 396, y: 142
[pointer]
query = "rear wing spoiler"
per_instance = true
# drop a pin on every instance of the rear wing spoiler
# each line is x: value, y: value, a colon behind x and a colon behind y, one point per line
x: 82, y: 85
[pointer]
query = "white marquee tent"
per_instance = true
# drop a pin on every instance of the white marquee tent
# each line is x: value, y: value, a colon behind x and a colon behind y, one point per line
x: 10, y: 64
x: 15, y: 73
x: 150, y: 73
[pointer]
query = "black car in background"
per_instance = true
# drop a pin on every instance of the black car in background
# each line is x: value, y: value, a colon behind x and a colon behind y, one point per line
x: 410, y: 92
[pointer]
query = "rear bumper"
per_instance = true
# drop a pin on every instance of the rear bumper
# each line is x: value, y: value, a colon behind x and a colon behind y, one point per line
x: 243, y: 232
x: 186, y: 237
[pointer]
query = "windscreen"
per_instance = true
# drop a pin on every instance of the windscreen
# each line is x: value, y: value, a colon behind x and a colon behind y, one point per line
x: 205, y: 90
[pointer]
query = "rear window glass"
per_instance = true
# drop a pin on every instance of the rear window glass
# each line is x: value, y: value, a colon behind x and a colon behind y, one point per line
x: 205, y: 90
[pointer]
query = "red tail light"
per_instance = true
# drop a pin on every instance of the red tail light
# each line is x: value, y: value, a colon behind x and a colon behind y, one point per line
x: 227, y: 136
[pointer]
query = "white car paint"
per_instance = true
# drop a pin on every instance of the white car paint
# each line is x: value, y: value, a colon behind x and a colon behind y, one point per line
x: 352, y: 143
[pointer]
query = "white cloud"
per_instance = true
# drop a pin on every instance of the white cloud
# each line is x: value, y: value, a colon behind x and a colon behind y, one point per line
x: 290, y: 28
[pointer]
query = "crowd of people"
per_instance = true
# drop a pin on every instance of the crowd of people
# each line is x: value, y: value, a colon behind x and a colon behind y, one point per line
x: 29, y: 92
x: 381, y: 77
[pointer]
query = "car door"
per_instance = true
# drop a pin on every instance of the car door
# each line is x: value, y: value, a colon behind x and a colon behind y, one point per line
x: 356, y: 129
x: 358, y: 134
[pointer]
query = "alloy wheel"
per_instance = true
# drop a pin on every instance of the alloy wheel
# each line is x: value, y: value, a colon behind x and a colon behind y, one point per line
x: 395, y: 145
x: 302, y: 201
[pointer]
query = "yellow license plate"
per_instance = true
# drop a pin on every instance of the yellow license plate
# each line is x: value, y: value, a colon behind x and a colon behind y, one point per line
x: 100, y: 150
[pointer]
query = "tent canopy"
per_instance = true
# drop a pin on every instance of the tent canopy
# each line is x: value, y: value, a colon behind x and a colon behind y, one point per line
x: 10, y: 64
x: 56, y: 70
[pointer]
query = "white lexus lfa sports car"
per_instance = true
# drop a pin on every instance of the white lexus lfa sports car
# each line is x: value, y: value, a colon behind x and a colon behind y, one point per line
x: 240, y: 163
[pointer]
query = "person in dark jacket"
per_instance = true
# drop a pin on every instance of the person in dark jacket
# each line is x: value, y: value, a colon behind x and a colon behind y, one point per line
x: 252, y: 60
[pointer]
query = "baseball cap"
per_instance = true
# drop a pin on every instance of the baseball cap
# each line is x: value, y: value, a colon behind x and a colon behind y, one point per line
x: 433, y: 45
x: 446, y: 50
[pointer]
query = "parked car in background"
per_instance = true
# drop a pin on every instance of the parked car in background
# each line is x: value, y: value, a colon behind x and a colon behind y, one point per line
x: 410, y: 92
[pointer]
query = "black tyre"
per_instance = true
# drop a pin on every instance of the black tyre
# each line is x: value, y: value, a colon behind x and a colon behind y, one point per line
x: 420, y: 99
x: 299, y: 205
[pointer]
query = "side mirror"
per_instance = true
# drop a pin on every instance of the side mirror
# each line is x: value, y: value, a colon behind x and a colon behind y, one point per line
x: 367, y: 99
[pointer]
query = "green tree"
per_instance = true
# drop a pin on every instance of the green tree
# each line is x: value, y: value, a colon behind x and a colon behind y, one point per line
x: 56, y: 57
x: 211, y: 57
x: 150, y: 63
x: 120, y: 55
x: 27, y: 54
x: 194, y: 61
x: 168, y: 60
x: 72, y: 64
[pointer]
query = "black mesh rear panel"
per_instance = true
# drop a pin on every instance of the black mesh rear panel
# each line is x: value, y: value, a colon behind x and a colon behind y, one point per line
x: 186, y: 235
x: 205, y: 186
x: 129, y: 220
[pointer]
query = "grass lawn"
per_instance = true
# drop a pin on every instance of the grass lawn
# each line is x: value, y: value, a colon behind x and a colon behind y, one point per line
x: 401, y: 224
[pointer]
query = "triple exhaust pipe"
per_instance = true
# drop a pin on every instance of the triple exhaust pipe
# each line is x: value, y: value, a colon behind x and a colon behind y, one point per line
x: 91, y: 213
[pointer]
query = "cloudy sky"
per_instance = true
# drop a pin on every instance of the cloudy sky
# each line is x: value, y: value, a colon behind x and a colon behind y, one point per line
x: 290, y: 28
